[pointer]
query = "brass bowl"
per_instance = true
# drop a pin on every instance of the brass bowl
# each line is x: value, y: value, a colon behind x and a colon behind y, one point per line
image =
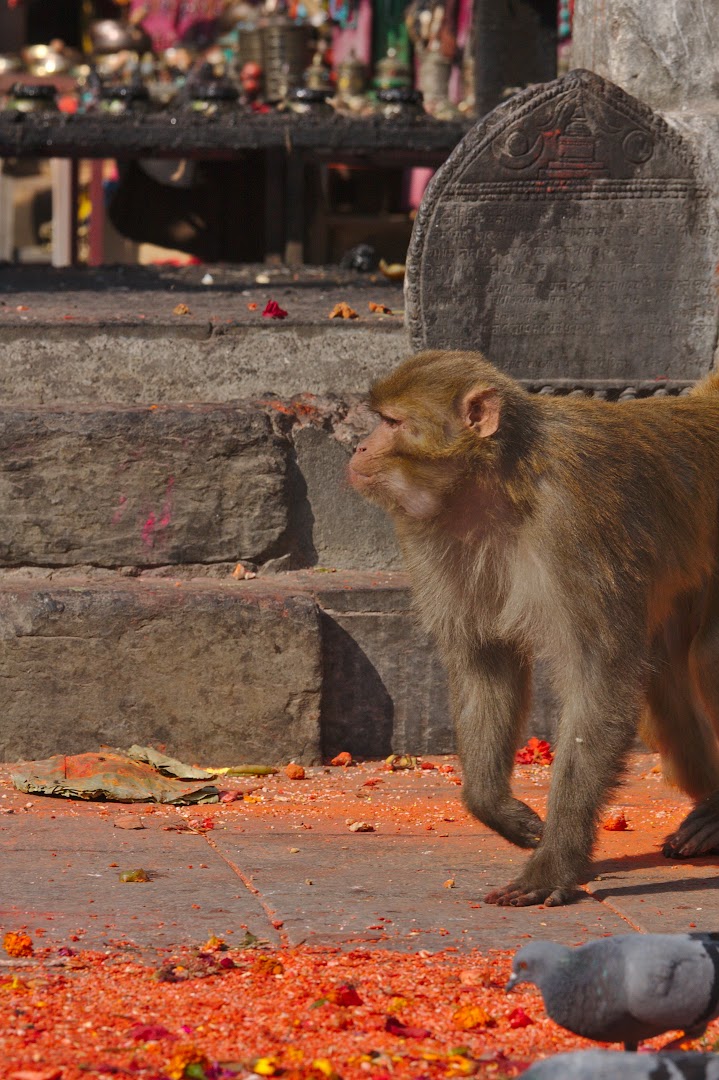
x: 46, y: 60
x: 9, y: 63
x: 113, y: 35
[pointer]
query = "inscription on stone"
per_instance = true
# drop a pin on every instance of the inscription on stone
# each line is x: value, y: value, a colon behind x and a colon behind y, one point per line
x: 568, y: 235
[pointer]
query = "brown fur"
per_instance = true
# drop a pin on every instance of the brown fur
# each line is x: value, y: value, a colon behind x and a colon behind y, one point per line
x: 578, y: 531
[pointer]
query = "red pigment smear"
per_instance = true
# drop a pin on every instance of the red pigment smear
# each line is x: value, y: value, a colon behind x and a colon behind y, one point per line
x: 148, y: 531
x: 154, y: 525
x: 119, y: 513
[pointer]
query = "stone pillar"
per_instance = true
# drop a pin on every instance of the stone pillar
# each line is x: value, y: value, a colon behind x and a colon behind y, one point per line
x: 665, y: 52
x: 514, y: 43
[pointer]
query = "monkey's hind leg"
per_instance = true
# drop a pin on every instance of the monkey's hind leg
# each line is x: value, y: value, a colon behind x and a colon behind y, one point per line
x: 672, y: 723
x: 695, y: 744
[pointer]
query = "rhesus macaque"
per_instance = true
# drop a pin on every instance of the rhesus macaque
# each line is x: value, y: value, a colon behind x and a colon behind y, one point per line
x: 578, y: 531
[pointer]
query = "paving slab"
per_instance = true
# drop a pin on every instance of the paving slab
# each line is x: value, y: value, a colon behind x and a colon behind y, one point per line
x: 634, y: 879
x: 64, y: 877
x: 391, y: 892
x: 282, y: 861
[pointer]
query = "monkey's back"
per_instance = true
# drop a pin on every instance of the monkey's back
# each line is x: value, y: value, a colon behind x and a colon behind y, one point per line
x: 639, y: 484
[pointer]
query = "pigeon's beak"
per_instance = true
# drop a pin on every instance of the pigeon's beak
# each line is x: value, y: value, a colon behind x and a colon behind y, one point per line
x: 513, y: 980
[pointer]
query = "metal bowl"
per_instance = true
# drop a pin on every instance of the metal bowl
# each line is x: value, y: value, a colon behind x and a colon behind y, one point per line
x: 46, y: 60
x: 236, y: 11
x: 9, y: 63
x: 113, y: 35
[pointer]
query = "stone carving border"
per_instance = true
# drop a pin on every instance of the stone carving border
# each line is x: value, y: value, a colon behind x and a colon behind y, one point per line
x: 480, y: 137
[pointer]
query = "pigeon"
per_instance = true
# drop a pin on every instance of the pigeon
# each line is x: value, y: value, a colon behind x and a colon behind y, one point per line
x: 626, y: 988
x: 610, y: 1065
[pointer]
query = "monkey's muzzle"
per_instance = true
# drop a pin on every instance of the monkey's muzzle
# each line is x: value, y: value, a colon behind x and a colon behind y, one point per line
x: 358, y: 479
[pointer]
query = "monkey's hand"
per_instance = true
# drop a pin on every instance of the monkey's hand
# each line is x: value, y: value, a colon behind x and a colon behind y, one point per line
x: 698, y: 834
x: 511, y: 818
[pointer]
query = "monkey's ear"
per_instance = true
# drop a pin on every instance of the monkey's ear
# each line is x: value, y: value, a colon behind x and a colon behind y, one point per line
x: 480, y: 411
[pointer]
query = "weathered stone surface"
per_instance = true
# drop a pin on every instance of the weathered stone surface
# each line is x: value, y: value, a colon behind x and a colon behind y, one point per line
x: 109, y: 334
x: 665, y: 53
x: 223, y: 671
x: 344, y: 530
x: 219, y: 674
x: 384, y: 689
x: 181, y: 903
x: 580, y: 237
x: 113, y: 486
x: 130, y: 364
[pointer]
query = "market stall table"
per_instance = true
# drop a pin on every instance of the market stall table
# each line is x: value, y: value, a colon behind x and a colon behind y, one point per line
x: 290, y: 141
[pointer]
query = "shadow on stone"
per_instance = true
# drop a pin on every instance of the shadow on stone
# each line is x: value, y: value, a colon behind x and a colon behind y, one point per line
x: 357, y: 712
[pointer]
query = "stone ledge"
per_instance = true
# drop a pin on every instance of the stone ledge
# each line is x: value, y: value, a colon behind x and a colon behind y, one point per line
x: 112, y: 486
x: 111, y: 335
x: 217, y: 674
x: 98, y: 365
x: 301, y: 667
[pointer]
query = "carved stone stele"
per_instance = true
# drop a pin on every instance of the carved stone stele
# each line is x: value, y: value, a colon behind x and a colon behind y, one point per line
x: 568, y: 235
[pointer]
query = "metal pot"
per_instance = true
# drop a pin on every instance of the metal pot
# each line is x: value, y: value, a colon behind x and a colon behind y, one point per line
x: 44, y: 60
x: 9, y: 63
x: 285, y: 50
x: 113, y: 35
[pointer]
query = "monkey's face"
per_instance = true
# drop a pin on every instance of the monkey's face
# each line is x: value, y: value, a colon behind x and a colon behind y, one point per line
x: 433, y: 433
x: 391, y: 467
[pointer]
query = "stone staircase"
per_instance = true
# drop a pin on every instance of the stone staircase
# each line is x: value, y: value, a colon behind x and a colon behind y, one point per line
x: 144, y: 455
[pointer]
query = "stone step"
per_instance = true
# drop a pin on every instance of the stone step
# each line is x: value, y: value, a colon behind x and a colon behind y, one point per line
x: 218, y: 671
x: 214, y: 672
x: 114, y: 485
x: 300, y: 666
x: 113, y: 335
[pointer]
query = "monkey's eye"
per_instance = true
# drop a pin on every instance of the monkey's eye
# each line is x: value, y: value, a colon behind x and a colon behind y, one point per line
x: 391, y: 421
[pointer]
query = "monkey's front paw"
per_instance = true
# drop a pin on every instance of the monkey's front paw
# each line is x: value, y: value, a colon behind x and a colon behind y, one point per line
x: 512, y: 819
x: 517, y: 894
x: 697, y: 835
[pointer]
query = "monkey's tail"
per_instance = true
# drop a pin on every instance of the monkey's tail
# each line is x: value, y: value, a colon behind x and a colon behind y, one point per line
x: 709, y: 385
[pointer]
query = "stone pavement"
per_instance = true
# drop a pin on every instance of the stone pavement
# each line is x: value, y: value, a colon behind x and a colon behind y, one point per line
x: 282, y: 862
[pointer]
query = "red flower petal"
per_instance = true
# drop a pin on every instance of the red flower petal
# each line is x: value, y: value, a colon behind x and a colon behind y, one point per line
x: 274, y: 311
x: 396, y: 1027
x: 518, y: 1018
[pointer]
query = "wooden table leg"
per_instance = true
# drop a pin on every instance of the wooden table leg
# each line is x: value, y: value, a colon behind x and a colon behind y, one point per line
x: 274, y: 205
x: 295, y: 238
x: 64, y: 178
x: 97, y: 215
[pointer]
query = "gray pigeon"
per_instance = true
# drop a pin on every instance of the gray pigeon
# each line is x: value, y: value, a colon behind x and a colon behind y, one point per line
x: 610, y: 1065
x: 626, y: 988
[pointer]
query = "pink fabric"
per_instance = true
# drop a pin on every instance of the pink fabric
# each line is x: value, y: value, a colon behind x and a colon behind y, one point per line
x: 358, y: 39
x: 167, y: 21
x: 418, y: 180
